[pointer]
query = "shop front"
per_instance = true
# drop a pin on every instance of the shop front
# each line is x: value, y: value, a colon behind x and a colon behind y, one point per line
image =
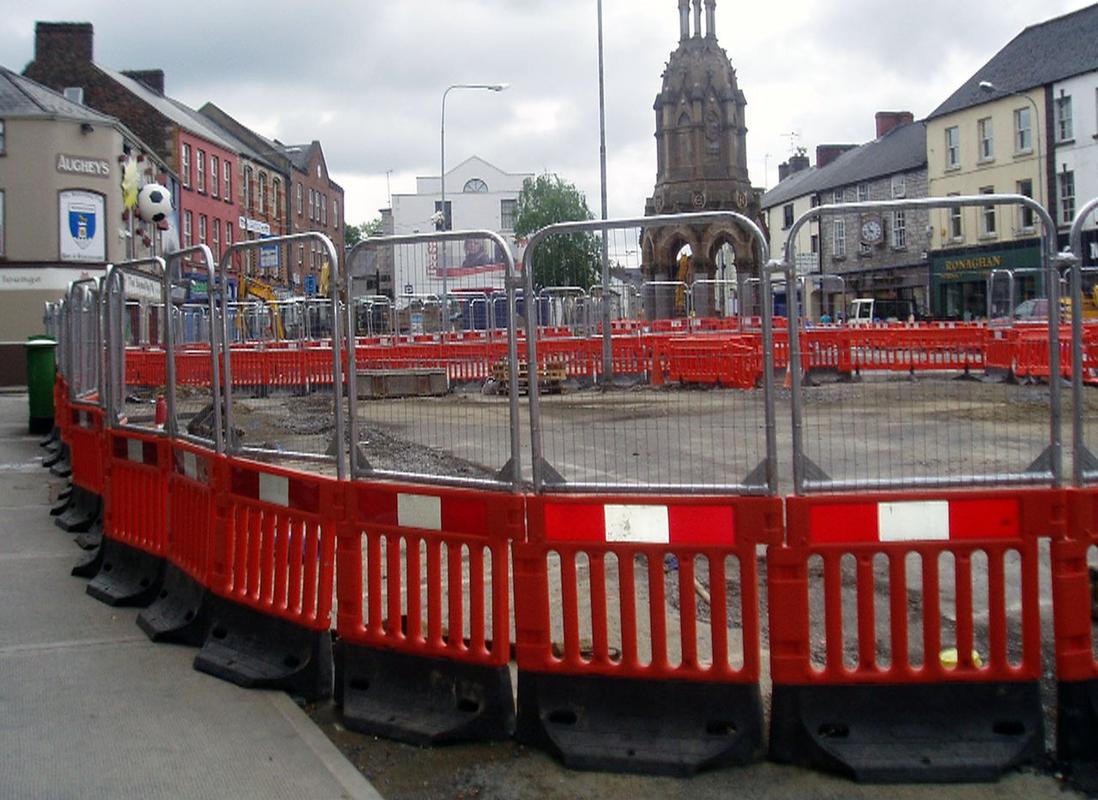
x: 959, y: 278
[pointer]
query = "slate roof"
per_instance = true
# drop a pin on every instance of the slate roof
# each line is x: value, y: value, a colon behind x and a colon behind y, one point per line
x: 235, y: 145
x: 177, y: 112
x: 298, y: 155
x: 900, y: 150
x: 1041, y: 54
x: 22, y: 97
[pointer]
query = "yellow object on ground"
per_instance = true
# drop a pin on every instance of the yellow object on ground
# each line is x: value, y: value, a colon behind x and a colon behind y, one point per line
x: 949, y: 658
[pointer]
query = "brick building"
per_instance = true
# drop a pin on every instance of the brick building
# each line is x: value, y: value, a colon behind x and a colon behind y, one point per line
x: 316, y: 205
x: 205, y: 161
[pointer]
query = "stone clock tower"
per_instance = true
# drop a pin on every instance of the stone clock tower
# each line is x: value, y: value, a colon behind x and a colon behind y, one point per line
x: 701, y: 155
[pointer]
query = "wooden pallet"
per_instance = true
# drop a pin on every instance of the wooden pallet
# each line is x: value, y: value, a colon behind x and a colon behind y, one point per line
x: 551, y: 377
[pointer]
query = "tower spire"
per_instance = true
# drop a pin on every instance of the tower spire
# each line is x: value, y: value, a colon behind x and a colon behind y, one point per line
x: 684, y: 20
x: 711, y: 19
x: 697, y: 19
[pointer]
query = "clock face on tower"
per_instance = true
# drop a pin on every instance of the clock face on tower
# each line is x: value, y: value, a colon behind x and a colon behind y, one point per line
x: 872, y: 230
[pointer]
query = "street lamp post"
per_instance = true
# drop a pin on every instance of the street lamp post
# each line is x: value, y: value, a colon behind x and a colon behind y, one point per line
x: 491, y: 87
x: 990, y: 88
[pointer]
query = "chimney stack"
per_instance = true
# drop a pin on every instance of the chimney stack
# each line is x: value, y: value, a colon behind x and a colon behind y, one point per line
x: 888, y: 121
x: 826, y: 153
x: 798, y: 162
x: 71, y: 41
x: 151, y: 78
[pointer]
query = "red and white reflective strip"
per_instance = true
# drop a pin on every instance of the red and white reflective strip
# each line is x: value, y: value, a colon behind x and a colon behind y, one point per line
x: 137, y: 451
x: 191, y: 466
x: 914, y: 521
x: 610, y: 523
x: 278, y: 490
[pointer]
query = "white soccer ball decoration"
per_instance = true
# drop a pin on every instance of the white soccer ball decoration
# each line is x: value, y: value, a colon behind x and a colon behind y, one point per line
x: 154, y: 203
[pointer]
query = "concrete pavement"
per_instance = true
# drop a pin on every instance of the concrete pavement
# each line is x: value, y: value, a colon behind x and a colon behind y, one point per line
x: 90, y: 708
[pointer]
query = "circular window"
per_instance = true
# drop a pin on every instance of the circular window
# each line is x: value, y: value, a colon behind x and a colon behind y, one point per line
x: 476, y: 186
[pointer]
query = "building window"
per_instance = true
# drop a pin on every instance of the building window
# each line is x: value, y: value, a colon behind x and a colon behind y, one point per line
x: 318, y: 170
x: 1025, y: 213
x: 335, y: 214
x: 899, y: 186
x: 311, y: 204
x: 899, y: 230
x: 3, y: 139
x: 838, y: 244
x: 188, y: 236
x: 837, y: 196
x: 985, y: 133
x: 227, y: 173
x: 214, y: 175
x: 299, y: 199
x: 1065, y: 128
x: 448, y: 223
x: 229, y: 234
x: 1067, y: 197
x: 953, y: 147
x: 863, y: 192
x: 475, y: 186
x: 247, y: 189
x: 956, y: 223
x: 300, y: 250
x: 263, y: 193
x: 185, y: 168
x: 787, y: 216
x: 216, y: 238
x: 324, y: 209
x: 74, y: 94
x: 815, y: 244
x: 508, y: 209
x: 201, y: 165
x: 987, y: 214
x: 1023, y: 130
x: 202, y: 229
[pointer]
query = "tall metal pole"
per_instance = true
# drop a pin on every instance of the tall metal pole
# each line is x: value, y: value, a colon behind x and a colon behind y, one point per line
x: 491, y: 87
x: 607, y: 339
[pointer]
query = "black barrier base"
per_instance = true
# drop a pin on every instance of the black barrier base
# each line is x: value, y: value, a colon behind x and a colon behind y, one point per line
x: 913, y: 733
x: 651, y: 727
x: 83, y: 510
x: 127, y: 576
x: 40, y: 425
x: 1077, y: 731
x: 422, y: 701
x: 64, y: 500
x: 54, y: 435
x: 89, y: 564
x: 55, y: 458
x: 258, y: 651
x: 91, y: 538
x: 62, y: 469
x: 180, y: 613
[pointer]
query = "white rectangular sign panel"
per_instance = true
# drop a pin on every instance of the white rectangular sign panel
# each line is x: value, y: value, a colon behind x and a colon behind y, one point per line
x: 83, y: 226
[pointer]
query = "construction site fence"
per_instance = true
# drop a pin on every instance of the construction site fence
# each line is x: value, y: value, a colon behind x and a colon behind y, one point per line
x: 644, y: 626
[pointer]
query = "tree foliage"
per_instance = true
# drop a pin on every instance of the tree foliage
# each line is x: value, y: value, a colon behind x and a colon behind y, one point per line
x: 570, y: 260
x: 353, y: 234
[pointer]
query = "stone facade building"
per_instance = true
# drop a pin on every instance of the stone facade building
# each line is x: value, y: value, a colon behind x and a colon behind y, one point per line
x: 316, y: 204
x: 701, y: 156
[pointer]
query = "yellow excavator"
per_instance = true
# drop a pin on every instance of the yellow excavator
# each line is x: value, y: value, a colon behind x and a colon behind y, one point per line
x: 1090, y: 304
x: 250, y: 287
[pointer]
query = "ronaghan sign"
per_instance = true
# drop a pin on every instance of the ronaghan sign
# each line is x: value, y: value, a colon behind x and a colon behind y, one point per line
x: 973, y: 263
x: 79, y: 165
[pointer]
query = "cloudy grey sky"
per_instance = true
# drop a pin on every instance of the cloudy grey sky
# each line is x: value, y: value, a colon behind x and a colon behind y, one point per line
x: 367, y: 77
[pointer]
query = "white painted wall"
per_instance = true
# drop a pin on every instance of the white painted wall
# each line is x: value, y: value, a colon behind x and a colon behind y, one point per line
x: 1081, y: 154
x: 412, y: 213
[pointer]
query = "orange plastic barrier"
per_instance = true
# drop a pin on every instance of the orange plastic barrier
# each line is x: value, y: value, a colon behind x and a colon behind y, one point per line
x: 180, y: 612
x: 903, y: 709
x: 427, y: 667
x: 1075, y: 614
x: 134, y: 518
x: 272, y: 572
x: 622, y: 700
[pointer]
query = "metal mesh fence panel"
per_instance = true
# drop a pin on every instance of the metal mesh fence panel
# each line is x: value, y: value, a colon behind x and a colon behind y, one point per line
x: 879, y: 405
x: 668, y: 405
x: 194, y: 396
x: 432, y: 389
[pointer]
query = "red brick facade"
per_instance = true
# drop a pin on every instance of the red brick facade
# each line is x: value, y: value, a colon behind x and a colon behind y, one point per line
x: 316, y: 205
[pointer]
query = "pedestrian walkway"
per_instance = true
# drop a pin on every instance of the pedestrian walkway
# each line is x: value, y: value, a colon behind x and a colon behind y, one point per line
x: 90, y: 708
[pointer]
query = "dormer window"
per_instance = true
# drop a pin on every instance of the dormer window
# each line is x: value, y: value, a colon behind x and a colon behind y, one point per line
x: 475, y: 186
